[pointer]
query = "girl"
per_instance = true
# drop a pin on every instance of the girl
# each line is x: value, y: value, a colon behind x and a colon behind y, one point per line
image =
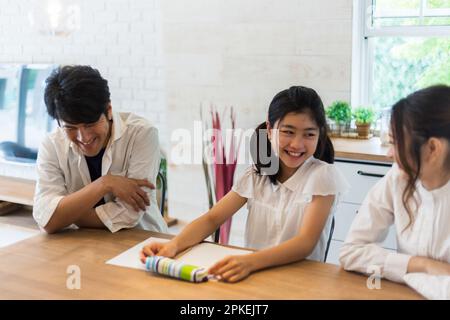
x: 289, y: 205
x: 414, y: 195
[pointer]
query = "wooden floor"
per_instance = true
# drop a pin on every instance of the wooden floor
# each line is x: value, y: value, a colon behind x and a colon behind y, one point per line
x: 21, y: 217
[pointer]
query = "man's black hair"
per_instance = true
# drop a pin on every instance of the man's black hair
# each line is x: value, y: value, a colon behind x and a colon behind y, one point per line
x: 76, y: 94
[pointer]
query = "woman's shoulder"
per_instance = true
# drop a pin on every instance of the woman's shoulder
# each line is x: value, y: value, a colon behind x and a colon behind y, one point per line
x: 393, y: 180
x: 250, y: 173
x: 324, y: 178
x: 249, y: 181
x: 320, y: 167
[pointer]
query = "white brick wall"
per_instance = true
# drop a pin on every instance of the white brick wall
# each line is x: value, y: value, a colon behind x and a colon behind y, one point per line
x: 241, y: 53
x: 118, y: 37
x: 164, y: 57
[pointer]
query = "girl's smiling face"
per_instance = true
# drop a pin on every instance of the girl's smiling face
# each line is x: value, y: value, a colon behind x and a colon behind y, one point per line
x: 295, y: 139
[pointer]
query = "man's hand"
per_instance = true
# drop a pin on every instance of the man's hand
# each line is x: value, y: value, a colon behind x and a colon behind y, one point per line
x: 129, y: 190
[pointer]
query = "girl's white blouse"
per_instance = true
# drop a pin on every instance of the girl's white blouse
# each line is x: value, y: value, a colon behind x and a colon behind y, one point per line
x: 275, y: 212
x: 428, y: 235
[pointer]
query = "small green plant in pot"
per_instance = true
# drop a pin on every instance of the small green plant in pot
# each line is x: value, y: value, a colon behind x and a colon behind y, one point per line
x: 341, y: 113
x: 364, y: 117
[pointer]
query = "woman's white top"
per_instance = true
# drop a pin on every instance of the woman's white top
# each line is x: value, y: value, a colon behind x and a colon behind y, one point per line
x: 434, y: 287
x: 275, y: 212
x: 428, y: 236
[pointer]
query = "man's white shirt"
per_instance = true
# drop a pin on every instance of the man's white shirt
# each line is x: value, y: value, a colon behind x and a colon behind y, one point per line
x: 132, y: 151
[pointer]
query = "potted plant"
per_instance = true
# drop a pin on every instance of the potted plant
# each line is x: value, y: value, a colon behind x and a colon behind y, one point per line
x: 341, y: 113
x: 364, y: 117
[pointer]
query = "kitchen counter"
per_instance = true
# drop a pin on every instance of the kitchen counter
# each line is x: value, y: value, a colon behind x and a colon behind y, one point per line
x: 361, y: 149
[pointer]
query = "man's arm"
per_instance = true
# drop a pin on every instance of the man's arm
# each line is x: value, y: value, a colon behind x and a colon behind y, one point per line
x: 90, y: 220
x: 143, y: 164
x: 55, y: 209
x: 78, y: 207
x: 127, y: 189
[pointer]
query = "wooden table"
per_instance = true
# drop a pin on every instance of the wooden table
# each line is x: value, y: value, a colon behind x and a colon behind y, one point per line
x: 359, y: 149
x: 37, y: 269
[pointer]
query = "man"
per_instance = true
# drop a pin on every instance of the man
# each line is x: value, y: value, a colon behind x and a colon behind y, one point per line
x: 95, y: 169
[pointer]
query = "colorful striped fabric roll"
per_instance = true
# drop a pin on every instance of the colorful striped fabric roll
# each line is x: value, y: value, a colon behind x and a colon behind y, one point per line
x: 176, y: 269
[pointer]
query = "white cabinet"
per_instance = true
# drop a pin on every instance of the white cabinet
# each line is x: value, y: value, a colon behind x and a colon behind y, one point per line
x: 361, y: 176
x: 343, y: 218
x: 333, y: 251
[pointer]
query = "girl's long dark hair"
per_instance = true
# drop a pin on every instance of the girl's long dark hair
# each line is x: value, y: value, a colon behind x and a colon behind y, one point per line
x: 418, y: 117
x: 296, y: 99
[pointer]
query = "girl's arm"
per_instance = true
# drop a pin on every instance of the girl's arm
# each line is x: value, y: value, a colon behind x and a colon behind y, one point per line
x: 428, y: 265
x: 235, y: 268
x: 362, y: 250
x: 200, y: 228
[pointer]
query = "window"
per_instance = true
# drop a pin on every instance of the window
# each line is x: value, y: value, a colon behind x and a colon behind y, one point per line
x: 34, y: 121
x: 23, y: 114
x: 9, y: 95
x: 399, y: 46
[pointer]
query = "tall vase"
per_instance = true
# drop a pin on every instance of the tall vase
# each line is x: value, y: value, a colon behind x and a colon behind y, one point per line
x: 224, y: 173
x: 219, y: 177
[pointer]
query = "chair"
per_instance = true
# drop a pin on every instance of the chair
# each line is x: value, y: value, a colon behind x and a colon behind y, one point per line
x: 13, y: 151
x: 163, y: 188
x: 329, y: 239
x: 217, y: 235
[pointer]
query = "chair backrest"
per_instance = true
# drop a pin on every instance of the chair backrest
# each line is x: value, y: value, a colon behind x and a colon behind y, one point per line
x: 163, y: 184
x: 217, y: 235
x: 330, y: 236
x: 15, y: 152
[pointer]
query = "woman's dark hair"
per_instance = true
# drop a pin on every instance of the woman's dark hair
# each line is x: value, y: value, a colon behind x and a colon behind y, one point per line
x: 76, y: 94
x: 418, y: 117
x: 296, y: 99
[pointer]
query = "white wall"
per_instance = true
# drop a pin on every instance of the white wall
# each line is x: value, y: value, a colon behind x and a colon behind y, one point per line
x: 164, y: 57
x: 121, y: 38
x: 241, y: 53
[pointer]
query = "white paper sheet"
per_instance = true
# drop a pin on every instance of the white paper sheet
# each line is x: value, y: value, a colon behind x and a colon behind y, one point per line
x: 202, y: 255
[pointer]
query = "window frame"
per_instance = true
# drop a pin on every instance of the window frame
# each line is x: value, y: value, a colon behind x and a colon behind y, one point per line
x: 362, y: 48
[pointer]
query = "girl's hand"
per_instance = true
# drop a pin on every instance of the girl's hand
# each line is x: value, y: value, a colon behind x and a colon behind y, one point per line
x: 233, y: 268
x: 435, y: 267
x: 427, y: 265
x: 165, y: 249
